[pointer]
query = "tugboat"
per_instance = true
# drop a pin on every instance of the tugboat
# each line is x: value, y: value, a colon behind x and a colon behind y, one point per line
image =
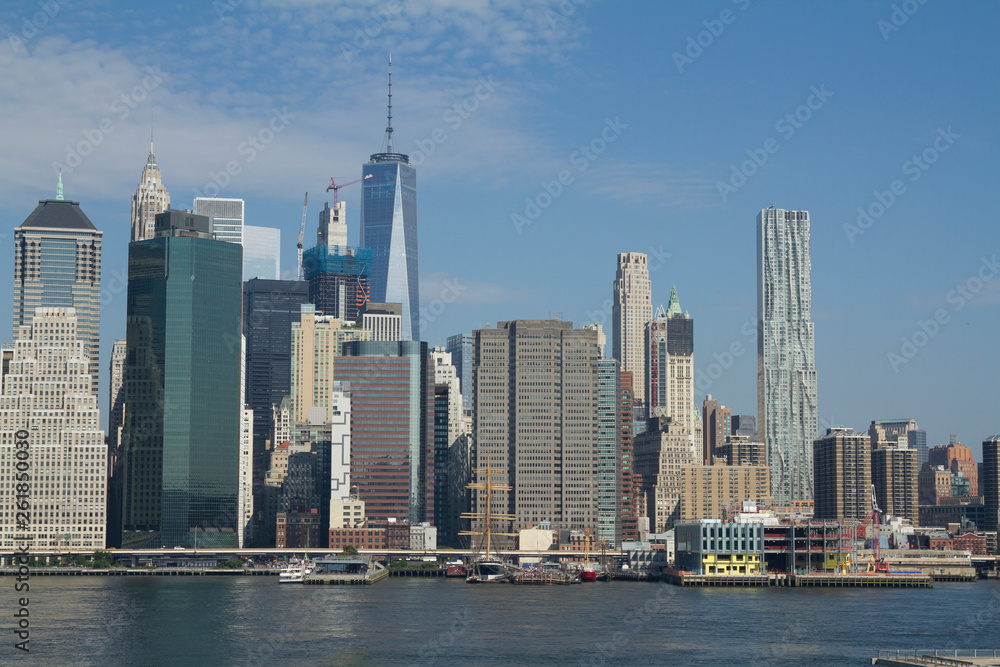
x: 488, y: 567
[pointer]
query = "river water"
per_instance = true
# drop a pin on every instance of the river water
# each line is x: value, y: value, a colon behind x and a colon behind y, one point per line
x: 405, y: 621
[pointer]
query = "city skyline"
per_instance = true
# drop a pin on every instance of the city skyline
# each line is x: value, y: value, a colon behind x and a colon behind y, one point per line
x: 528, y: 123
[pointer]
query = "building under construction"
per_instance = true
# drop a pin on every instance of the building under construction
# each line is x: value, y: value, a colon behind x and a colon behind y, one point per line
x: 338, y: 279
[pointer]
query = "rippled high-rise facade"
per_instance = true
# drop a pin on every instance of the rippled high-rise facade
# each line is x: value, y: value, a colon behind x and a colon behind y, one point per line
x: 786, y: 361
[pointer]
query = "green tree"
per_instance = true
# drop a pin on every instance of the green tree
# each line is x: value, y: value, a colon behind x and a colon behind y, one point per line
x: 349, y: 550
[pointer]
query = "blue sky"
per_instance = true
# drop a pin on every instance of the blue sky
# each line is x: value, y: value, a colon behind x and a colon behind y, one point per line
x: 833, y: 101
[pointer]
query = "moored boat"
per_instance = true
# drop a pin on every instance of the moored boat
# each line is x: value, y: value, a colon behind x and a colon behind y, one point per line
x: 455, y: 569
x: 295, y: 572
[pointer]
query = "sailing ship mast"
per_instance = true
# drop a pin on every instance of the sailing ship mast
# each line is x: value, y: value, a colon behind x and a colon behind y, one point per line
x: 487, y: 515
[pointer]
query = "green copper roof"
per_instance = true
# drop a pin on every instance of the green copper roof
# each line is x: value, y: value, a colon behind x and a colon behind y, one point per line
x: 674, y: 307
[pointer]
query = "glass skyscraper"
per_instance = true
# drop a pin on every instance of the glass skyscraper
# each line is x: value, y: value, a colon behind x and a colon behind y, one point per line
x: 57, y: 264
x: 389, y: 228
x: 786, y: 359
x: 180, y: 456
x: 459, y: 347
x: 261, y: 246
x: 269, y: 308
x: 608, y: 452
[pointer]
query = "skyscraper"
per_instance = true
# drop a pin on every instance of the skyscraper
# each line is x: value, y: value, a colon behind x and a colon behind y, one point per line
x: 316, y: 343
x: 116, y: 405
x: 339, y: 280
x: 460, y: 348
x: 535, y: 389
x: 226, y: 215
x: 47, y: 393
x: 392, y: 426
x: 786, y: 363
x: 991, y: 482
x: 669, y: 372
x: 896, y: 481
x: 182, y: 387
x: 389, y: 229
x: 261, y: 253
x: 716, y: 426
x: 150, y: 198
x: 609, y: 529
x: 632, y: 309
x: 269, y: 309
x: 628, y: 502
x: 57, y: 264
x: 843, y: 474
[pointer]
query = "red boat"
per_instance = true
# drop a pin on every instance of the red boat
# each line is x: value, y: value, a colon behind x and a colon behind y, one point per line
x: 588, y: 575
x: 455, y: 569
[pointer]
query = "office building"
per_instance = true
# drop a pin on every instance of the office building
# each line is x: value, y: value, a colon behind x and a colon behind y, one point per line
x: 659, y: 454
x: 150, y: 199
x: 991, y: 483
x: 608, y: 451
x: 896, y: 482
x: 632, y: 308
x: 244, y: 502
x: 957, y: 458
x: 57, y: 264
x: 392, y: 426
x: 116, y: 404
x: 669, y: 339
x: 535, y: 410
x: 744, y: 425
x: 47, y: 393
x: 389, y: 229
x: 628, y: 503
x: 459, y: 347
x: 716, y: 425
x: 261, y: 253
x: 226, y: 216
x: 448, y: 428
x: 316, y: 343
x: 180, y: 455
x: 917, y: 439
x: 843, y: 475
x: 934, y: 484
x: 711, y: 546
x: 332, y: 230
x: 384, y: 320
x: 786, y: 360
x: 339, y: 280
x: 269, y: 309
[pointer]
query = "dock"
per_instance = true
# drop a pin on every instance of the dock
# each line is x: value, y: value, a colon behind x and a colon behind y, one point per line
x: 141, y: 572
x: 940, y: 657
x: 799, y: 580
x: 356, y: 570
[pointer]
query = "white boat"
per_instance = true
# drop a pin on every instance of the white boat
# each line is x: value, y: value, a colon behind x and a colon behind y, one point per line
x: 295, y: 572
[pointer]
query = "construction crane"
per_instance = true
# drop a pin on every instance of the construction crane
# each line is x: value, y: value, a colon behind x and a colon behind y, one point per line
x: 302, y: 230
x: 336, y: 188
x: 878, y: 564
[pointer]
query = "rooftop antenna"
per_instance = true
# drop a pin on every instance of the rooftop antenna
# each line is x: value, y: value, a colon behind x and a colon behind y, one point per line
x: 59, y: 189
x: 389, y: 128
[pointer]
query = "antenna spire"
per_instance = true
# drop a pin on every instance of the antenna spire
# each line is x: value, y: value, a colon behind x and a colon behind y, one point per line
x: 389, y: 128
x: 59, y: 188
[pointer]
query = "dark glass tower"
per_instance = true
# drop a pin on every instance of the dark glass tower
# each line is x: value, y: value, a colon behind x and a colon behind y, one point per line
x: 269, y: 308
x: 389, y: 228
x: 182, y: 387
